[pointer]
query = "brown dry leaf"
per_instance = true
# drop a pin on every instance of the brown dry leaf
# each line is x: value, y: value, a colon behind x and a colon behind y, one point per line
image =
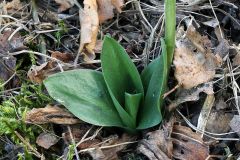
x: 78, y: 132
x: 64, y: 57
x: 221, y: 104
x: 98, y: 47
x: 7, y: 67
x: 235, y: 123
x: 101, y: 153
x: 236, y: 60
x: 221, y: 50
x: 13, y: 5
x: 193, y: 60
x: 158, y: 144
x: 8, y: 63
x: 106, y: 7
x: 89, y: 28
x: 64, y: 4
x: 38, y: 73
x: 14, y: 44
x: 218, y: 122
x: 188, y: 145
x: 187, y: 95
x: 118, y: 4
x: 50, y: 114
x: 46, y: 140
x: 94, y: 12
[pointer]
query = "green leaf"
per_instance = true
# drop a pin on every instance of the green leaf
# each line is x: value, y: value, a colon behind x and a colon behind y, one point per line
x: 119, y: 71
x: 150, y: 112
x: 148, y: 72
x: 170, y: 28
x: 132, y: 103
x: 84, y: 93
x: 120, y: 75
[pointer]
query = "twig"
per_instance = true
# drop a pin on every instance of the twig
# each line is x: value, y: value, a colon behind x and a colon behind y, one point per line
x: 150, y: 42
x: 39, y: 54
x: 10, y: 17
x: 235, y: 86
x: 73, y: 142
x: 172, y: 90
x: 205, y: 112
x: 29, y: 145
x: 138, y: 7
x: 221, y: 33
x: 34, y: 12
x: 208, y: 134
x: 107, y: 147
x: 2, y: 85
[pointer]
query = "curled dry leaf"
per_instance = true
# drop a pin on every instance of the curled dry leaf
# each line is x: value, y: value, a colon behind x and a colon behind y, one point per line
x: 94, y: 12
x: 181, y: 145
x: 193, y: 60
x: 46, y: 140
x: 188, y: 145
x: 64, y: 57
x: 187, y: 95
x: 158, y: 144
x: 106, y: 7
x: 89, y: 29
x: 157, y: 147
x: 64, y: 4
x: 38, y: 73
x: 50, y: 114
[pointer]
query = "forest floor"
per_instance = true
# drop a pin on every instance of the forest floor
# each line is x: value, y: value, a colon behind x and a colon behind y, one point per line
x: 201, y: 113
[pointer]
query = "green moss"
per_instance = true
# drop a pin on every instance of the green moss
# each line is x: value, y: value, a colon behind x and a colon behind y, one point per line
x: 62, y: 30
x: 13, y: 112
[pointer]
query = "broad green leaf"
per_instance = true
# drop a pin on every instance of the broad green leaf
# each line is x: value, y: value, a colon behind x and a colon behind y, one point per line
x: 150, y: 112
x: 120, y: 75
x: 85, y: 94
x: 132, y: 103
x: 119, y: 71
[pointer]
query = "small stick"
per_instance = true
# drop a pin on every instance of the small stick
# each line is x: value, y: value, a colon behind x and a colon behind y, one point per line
x: 29, y: 146
x: 73, y: 142
x: 172, y: 90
